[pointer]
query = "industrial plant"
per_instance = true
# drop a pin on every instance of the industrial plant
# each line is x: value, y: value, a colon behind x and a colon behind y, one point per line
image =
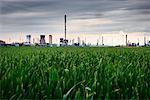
x: 63, y: 41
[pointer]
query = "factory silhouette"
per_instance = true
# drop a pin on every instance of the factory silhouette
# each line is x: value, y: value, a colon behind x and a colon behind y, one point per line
x: 65, y: 42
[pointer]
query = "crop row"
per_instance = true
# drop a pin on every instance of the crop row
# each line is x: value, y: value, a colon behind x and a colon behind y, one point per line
x: 74, y: 73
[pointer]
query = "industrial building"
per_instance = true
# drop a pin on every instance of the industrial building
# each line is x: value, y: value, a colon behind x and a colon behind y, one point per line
x: 28, y: 39
x: 42, y: 39
x: 63, y: 42
x: 2, y: 43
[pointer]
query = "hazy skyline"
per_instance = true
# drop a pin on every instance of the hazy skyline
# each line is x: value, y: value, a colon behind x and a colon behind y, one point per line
x: 83, y: 17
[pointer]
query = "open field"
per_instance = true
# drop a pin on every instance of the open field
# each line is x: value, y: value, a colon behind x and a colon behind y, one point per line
x: 76, y: 73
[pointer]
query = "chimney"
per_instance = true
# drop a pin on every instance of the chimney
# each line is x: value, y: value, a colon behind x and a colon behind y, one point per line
x: 65, y: 27
x: 126, y: 40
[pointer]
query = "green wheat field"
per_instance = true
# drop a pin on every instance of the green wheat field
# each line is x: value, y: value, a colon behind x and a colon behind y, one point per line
x: 74, y: 73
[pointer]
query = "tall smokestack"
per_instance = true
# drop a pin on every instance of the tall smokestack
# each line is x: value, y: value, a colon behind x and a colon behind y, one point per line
x: 102, y: 40
x: 65, y: 27
x: 145, y: 41
x: 126, y: 40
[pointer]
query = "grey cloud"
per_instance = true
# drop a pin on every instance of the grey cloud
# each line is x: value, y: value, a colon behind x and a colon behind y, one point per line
x: 32, y: 14
x: 143, y: 6
x: 24, y: 6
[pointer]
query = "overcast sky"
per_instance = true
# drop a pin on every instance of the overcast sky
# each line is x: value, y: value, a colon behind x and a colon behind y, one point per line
x: 83, y: 16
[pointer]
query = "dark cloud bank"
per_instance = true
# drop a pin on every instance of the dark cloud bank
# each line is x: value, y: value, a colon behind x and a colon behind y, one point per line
x: 47, y: 15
